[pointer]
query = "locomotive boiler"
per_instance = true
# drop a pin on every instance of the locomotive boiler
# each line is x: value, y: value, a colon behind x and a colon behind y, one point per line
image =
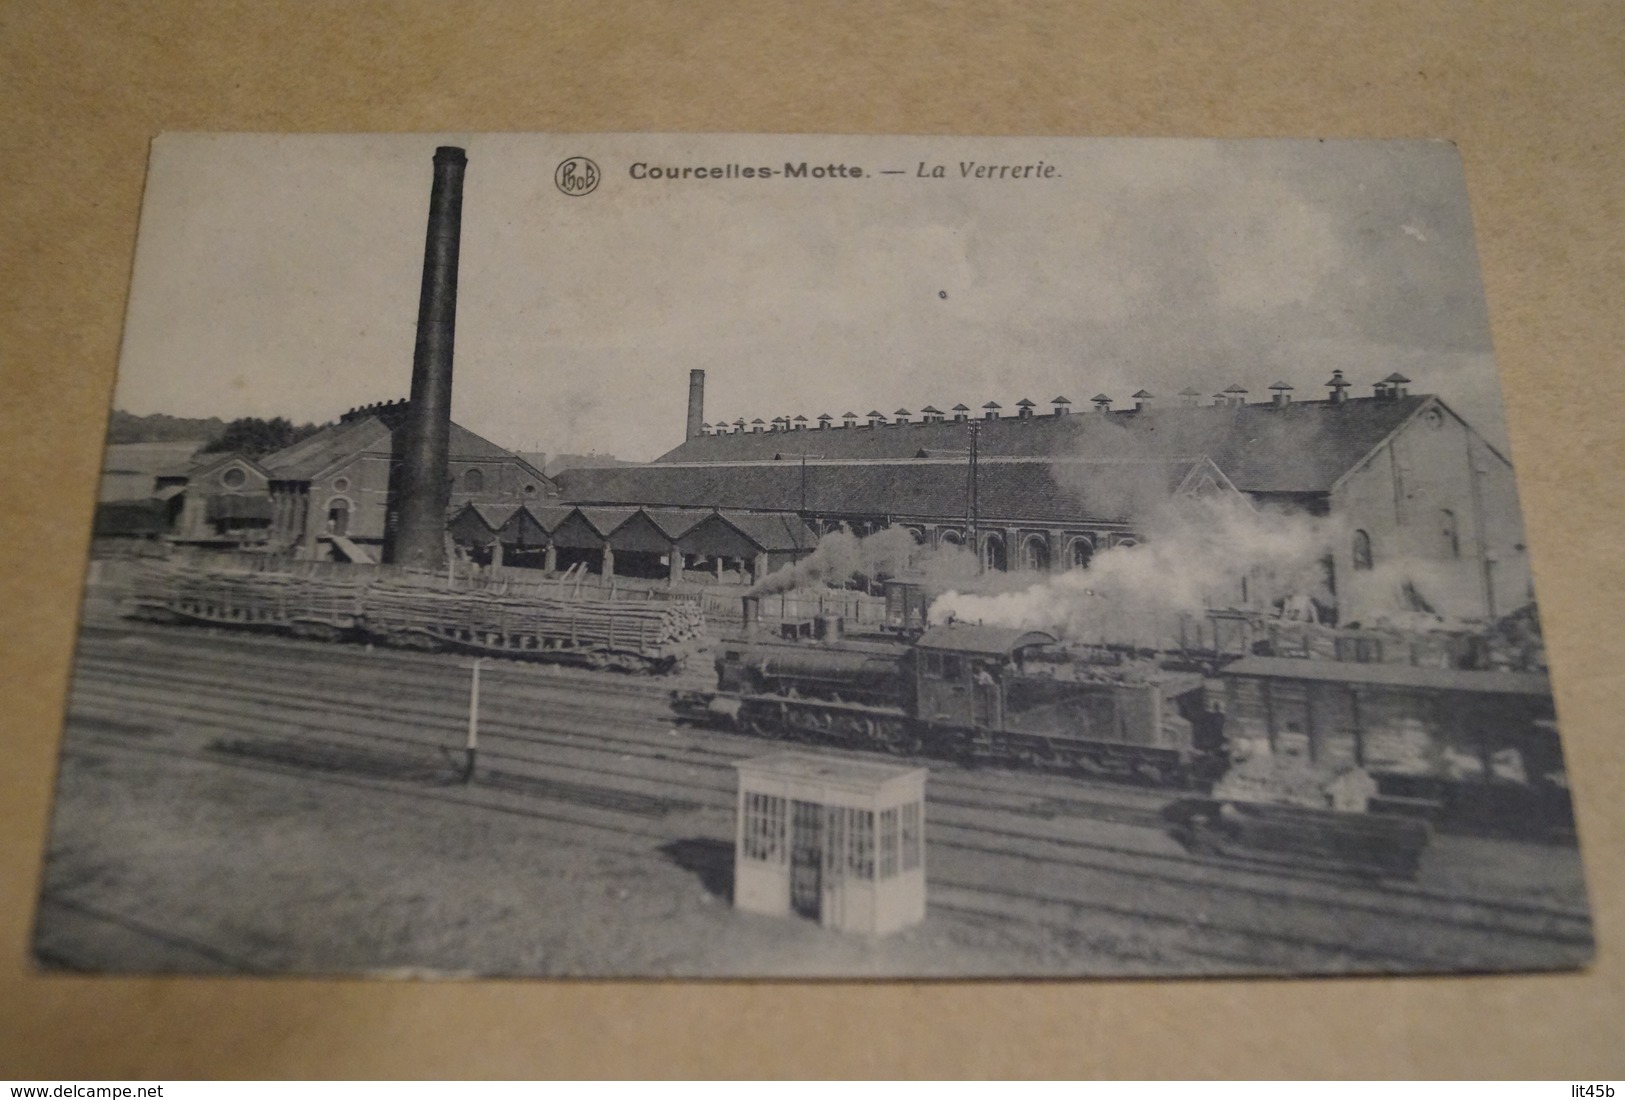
x: 965, y: 692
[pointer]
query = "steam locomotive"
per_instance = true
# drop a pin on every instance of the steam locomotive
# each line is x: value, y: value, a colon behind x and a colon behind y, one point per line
x: 967, y: 692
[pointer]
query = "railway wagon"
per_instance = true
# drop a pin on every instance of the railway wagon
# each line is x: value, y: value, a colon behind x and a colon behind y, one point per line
x: 966, y: 692
x: 633, y: 635
x: 1463, y: 744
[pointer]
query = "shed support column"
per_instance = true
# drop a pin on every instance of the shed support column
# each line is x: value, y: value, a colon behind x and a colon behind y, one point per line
x: 758, y: 566
x: 496, y: 551
x: 609, y: 561
x: 674, y: 570
x: 719, y: 569
x: 550, y: 560
x: 1058, y: 562
x: 307, y: 532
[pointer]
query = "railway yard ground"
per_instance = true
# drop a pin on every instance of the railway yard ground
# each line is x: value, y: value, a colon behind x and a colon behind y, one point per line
x: 245, y: 803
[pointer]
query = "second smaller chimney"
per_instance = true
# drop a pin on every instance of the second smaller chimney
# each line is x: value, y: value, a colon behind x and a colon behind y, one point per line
x: 696, y: 403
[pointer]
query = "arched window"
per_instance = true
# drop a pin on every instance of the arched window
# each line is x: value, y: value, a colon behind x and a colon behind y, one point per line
x: 1362, y: 550
x: 338, y: 516
x: 1450, y: 542
x: 233, y: 478
x: 951, y: 538
x: 993, y: 554
x: 1082, y: 551
x: 474, y: 480
x: 1035, y: 553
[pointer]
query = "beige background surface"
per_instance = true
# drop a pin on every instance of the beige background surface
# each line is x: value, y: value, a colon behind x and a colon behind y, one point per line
x: 1533, y: 93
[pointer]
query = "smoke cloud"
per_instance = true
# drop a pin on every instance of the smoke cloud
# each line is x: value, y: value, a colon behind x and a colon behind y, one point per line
x: 842, y: 558
x: 1199, y: 553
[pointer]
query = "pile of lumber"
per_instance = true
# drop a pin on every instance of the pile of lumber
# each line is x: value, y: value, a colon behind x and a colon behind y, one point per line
x: 397, y: 608
x: 271, y: 598
x: 645, y: 627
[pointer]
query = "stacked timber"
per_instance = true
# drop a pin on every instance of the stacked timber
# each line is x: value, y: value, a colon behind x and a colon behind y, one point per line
x: 647, y: 628
x: 416, y: 612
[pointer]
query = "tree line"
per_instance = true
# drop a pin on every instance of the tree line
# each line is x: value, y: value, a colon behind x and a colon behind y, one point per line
x: 249, y: 435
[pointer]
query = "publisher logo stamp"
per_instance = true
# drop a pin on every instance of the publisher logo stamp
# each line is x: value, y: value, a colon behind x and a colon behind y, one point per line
x: 577, y: 176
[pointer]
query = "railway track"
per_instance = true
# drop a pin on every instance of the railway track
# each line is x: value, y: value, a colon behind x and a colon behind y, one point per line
x: 594, y: 751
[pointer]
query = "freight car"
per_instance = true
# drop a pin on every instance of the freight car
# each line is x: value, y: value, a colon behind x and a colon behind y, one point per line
x: 626, y: 634
x: 966, y: 692
x: 1475, y: 747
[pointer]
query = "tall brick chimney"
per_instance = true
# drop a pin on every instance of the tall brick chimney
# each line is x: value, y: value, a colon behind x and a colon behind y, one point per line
x: 424, y: 486
x: 696, y: 403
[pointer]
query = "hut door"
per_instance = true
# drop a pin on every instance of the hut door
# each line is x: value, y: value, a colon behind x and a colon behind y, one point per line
x: 806, y: 859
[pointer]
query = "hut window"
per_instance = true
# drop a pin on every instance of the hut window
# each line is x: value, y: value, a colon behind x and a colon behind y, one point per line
x: 338, y: 517
x: 1451, y: 542
x: 1362, y: 550
x: 909, y: 837
x: 888, y: 843
x: 860, y: 852
x: 764, y: 827
x: 474, y: 480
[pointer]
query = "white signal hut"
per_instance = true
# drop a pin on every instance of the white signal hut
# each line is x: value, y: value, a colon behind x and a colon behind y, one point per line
x: 830, y: 839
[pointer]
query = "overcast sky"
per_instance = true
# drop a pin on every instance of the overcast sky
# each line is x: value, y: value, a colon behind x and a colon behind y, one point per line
x: 279, y: 275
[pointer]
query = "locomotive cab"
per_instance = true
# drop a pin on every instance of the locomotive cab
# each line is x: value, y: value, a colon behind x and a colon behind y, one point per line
x: 962, y: 673
x: 1005, y: 694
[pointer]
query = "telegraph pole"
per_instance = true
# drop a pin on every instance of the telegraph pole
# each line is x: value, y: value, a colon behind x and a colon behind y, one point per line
x: 972, y: 505
x: 472, y: 747
x: 802, y: 512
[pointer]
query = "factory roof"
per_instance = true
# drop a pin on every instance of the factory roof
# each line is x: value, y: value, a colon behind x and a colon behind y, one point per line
x: 772, y: 532
x: 1298, y: 447
x: 1008, y: 489
x: 372, y: 430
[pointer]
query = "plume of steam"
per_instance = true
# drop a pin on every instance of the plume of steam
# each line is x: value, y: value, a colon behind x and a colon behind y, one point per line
x: 840, y: 557
x: 1199, y: 553
x: 1406, y: 593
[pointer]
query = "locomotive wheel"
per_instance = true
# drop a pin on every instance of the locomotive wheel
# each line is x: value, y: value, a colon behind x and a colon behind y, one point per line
x: 1040, y: 757
x: 908, y: 742
x: 1157, y: 772
x: 761, y: 725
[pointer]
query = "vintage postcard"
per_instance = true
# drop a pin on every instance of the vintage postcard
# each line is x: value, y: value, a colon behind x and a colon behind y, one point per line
x: 812, y: 556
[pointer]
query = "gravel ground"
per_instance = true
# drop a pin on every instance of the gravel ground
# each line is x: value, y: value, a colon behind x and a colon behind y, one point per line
x: 167, y: 855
